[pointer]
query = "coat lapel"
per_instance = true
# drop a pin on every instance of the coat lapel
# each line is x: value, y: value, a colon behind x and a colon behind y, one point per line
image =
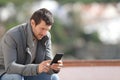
x: 30, y: 43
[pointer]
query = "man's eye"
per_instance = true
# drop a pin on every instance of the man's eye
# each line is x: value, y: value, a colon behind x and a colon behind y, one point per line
x: 42, y: 29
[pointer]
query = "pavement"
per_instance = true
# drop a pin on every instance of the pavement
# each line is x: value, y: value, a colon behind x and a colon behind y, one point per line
x: 90, y: 73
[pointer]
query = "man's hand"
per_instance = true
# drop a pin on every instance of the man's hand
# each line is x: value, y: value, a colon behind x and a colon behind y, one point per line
x: 44, y: 66
x: 57, y: 66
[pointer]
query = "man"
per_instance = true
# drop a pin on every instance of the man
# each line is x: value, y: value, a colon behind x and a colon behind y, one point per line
x: 27, y: 50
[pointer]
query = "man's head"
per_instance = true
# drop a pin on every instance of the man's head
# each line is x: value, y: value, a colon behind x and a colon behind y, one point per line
x: 41, y: 22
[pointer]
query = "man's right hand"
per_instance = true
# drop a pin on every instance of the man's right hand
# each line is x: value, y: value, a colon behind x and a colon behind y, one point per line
x: 44, y: 66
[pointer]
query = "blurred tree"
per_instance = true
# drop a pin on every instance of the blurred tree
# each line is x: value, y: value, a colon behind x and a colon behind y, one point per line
x: 87, y: 1
x: 3, y: 2
x: 93, y: 37
x: 58, y: 32
x: 16, y: 2
x: 21, y: 11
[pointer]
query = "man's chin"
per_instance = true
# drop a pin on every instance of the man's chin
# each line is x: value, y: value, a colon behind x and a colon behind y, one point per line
x: 39, y: 38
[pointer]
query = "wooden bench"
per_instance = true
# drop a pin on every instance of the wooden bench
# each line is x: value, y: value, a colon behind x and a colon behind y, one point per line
x: 72, y: 63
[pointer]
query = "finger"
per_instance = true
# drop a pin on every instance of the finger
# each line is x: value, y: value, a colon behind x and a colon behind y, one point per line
x: 48, y: 61
x: 46, y: 69
x: 57, y: 68
x: 54, y: 66
x: 59, y: 61
x: 48, y: 64
x: 60, y: 65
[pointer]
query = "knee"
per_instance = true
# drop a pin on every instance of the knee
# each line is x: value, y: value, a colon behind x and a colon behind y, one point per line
x: 54, y: 77
x: 11, y: 77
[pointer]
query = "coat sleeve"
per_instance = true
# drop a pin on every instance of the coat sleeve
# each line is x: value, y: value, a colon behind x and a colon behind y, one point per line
x: 9, y: 50
x: 49, y: 53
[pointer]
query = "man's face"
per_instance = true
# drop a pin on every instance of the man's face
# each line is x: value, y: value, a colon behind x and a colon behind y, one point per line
x: 40, y: 30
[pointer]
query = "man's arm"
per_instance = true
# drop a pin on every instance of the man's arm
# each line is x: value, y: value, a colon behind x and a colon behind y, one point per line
x: 55, y: 68
x: 9, y: 50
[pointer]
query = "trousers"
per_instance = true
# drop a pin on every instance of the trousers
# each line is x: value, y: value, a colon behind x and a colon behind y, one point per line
x: 42, y: 76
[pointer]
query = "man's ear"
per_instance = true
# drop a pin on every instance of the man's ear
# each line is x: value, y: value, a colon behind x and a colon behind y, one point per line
x: 32, y: 22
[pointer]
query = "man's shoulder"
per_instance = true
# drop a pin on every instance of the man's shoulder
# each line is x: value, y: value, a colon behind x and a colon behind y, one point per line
x: 15, y: 32
x: 16, y: 29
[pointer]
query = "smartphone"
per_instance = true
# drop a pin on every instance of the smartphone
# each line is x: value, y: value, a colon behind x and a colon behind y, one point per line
x: 57, y: 57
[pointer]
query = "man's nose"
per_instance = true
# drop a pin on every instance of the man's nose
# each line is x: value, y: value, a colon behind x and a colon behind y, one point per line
x: 44, y: 32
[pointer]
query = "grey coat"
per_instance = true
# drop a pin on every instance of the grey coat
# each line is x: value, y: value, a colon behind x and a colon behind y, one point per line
x: 16, y: 48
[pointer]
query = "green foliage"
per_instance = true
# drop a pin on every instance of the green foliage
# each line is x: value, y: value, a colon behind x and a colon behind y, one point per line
x: 15, y: 2
x: 90, y: 37
x: 10, y: 25
x: 87, y: 1
x: 58, y: 32
x: 3, y: 2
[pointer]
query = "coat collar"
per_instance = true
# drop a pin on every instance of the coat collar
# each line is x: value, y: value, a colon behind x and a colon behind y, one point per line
x: 29, y: 34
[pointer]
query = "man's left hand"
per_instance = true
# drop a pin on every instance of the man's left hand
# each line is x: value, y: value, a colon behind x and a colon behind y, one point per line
x: 57, y: 66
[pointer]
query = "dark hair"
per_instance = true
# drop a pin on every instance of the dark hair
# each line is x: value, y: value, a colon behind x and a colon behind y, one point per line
x: 42, y: 14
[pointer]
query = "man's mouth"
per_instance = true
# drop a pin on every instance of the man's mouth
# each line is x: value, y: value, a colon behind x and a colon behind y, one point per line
x: 40, y: 36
